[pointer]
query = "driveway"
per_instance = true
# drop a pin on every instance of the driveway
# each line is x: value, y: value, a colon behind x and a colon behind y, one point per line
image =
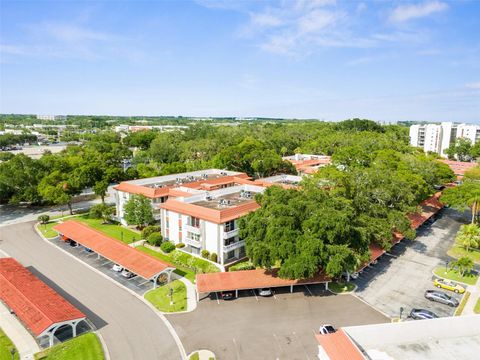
x: 129, y: 327
x: 280, y: 327
x: 401, y: 278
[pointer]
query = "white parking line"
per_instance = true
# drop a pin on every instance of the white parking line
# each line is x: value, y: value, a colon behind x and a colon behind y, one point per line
x: 273, y: 292
x: 218, y: 302
x: 236, y: 348
x: 308, y: 290
x: 279, y: 346
x: 301, y: 343
x: 254, y: 293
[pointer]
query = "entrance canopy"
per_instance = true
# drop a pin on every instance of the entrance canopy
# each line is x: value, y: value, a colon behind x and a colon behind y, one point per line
x: 130, y: 258
x: 40, y: 308
x: 249, y: 279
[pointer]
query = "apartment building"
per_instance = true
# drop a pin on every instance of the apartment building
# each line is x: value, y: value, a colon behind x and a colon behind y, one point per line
x: 209, y: 220
x: 307, y: 164
x: 439, y: 137
x: 52, y: 117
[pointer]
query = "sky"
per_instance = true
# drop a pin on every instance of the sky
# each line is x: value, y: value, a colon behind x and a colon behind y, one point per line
x: 325, y: 59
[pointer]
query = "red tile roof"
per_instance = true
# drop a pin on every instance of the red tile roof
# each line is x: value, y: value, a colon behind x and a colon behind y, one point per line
x: 249, y: 279
x: 36, y: 304
x: 212, y: 215
x: 339, y: 346
x: 134, y: 260
x: 459, y: 167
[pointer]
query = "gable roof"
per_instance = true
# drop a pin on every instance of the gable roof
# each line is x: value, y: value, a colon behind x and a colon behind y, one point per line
x: 36, y: 304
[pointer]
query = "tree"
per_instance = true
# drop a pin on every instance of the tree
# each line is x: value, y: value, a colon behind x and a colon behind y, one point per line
x: 463, y: 265
x: 469, y: 236
x: 138, y: 211
x: 44, y: 219
x: 155, y: 239
x: 463, y: 197
x: 100, y: 188
x: 461, y: 150
x: 59, y: 188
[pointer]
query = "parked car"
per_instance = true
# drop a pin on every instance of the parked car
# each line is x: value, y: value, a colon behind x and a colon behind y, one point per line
x: 326, y: 329
x: 422, y: 314
x: 449, y: 285
x: 88, y: 249
x: 441, y: 297
x: 127, y: 274
x: 73, y: 243
x: 227, y: 295
x: 117, y: 268
x: 265, y: 292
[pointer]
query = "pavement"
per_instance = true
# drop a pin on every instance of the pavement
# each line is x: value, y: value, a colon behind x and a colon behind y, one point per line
x: 130, y: 329
x: 401, y: 277
x: 472, y: 300
x: 23, y: 340
x: 277, y: 327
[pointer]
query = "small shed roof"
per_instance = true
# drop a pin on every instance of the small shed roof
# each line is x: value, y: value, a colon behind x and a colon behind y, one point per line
x: 339, y: 346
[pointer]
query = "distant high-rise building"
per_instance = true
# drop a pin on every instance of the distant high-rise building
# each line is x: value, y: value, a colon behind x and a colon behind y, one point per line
x: 52, y: 117
x: 439, y: 137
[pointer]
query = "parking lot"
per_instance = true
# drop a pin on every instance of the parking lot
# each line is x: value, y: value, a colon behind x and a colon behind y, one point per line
x: 137, y: 283
x: 277, y: 327
x: 401, y: 277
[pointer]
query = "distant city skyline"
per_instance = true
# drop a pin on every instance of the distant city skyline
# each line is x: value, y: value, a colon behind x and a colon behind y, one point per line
x: 323, y: 59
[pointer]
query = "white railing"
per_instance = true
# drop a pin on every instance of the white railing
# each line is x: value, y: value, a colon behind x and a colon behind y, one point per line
x: 192, y: 229
x: 192, y: 242
x: 234, y: 245
x: 229, y: 234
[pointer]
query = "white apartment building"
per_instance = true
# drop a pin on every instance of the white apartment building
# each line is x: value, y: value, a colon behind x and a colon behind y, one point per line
x: 52, y: 117
x: 439, y: 137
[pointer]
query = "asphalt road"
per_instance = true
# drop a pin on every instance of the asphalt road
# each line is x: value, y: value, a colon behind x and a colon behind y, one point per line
x: 130, y: 329
x: 280, y: 327
x: 401, y: 280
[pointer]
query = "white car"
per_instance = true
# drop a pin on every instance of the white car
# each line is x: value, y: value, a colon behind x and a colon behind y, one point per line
x: 128, y: 274
x: 117, y: 268
x: 265, y: 292
x: 326, y: 329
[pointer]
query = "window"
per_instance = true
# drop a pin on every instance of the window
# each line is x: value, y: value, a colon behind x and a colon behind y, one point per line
x: 193, y: 221
x: 193, y: 236
x: 229, y: 226
x: 230, y: 254
x: 229, y: 241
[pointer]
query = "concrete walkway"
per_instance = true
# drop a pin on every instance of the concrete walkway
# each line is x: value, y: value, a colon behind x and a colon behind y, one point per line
x: 21, y: 338
x: 191, y: 292
x: 472, y: 300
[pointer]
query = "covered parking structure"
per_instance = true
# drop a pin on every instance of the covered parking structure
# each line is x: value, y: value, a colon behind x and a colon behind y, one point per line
x: 249, y: 280
x: 115, y: 251
x: 40, y: 308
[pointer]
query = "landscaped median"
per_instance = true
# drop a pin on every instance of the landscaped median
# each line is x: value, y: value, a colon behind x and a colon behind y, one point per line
x: 476, y: 309
x: 464, y: 301
x: 454, y: 275
x: 160, y: 297
x: 341, y: 288
x: 6, y: 347
x: 83, y: 347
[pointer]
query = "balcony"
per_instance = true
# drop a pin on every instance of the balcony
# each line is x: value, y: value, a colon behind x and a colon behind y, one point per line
x: 192, y: 242
x: 234, y: 245
x: 229, y: 234
x: 192, y: 229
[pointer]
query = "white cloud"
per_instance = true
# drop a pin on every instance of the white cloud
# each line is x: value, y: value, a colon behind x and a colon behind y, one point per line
x: 317, y: 20
x: 474, y: 85
x: 265, y: 20
x: 407, y: 12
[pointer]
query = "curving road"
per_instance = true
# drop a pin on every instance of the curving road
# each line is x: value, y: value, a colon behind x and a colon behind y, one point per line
x: 130, y: 328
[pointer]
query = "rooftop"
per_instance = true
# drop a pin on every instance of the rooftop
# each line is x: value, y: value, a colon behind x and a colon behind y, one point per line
x: 36, y: 304
x: 338, y: 346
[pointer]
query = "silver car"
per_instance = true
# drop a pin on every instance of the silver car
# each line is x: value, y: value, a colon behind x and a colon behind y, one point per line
x: 441, y: 297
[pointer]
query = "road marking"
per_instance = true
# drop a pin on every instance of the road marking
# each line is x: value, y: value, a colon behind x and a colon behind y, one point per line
x: 273, y: 292
x: 236, y: 348
x: 278, y: 343
x: 301, y: 343
x: 143, y: 283
x: 391, y: 255
x: 308, y: 290
x: 254, y: 293
x: 218, y: 301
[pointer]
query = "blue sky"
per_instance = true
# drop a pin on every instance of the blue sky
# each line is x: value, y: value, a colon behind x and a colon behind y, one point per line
x: 325, y: 59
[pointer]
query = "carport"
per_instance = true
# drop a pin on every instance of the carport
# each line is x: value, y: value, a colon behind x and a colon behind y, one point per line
x: 115, y: 251
x: 250, y: 279
x: 430, y: 207
x: 40, y: 308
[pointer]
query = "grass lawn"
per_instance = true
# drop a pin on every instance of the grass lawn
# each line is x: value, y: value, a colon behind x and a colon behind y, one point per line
x: 457, y: 251
x: 476, y: 309
x: 455, y: 276
x: 47, y: 229
x: 112, y: 230
x: 339, y: 288
x: 6, y: 346
x: 160, y: 297
x: 83, y: 347
x: 460, y: 307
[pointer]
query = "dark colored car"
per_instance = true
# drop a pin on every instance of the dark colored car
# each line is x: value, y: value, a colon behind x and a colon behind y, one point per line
x: 422, y: 314
x: 227, y: 295
x: 441, y: 297
x: 73, y: 243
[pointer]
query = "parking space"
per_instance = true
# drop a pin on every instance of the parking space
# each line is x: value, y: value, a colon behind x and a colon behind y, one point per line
x: 400, y: 277
x: 280, y: 326
x: 137, y: 283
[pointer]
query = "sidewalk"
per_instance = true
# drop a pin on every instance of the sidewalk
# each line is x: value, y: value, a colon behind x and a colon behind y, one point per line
x: 21, y: 338
x: 191, y: 292
x: 472, y: 300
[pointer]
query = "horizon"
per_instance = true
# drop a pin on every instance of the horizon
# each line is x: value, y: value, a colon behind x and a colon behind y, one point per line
x: 307, y: 60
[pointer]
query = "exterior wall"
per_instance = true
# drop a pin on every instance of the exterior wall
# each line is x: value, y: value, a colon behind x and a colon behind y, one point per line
x: 447, y: 138
x: 414, y: 129
x: 433, y: 138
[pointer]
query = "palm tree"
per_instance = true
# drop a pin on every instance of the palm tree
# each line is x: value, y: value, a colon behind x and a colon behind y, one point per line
x: 469, y: 236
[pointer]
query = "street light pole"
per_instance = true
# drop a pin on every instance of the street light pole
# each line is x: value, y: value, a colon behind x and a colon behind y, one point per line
x: 446, y: 266
x: 12, y: 352
x: 401, y: 312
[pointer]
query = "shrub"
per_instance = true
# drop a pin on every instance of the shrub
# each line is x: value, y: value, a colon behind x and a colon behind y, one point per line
x: 213, y: 257
x: 205, y: 254
x: 246, y: 265
x: 155, y: 239
x: 96, y: 211
x: 44, y: 218
x: 167, y: 247
x: 147, y: 231
x: 180, y: 245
